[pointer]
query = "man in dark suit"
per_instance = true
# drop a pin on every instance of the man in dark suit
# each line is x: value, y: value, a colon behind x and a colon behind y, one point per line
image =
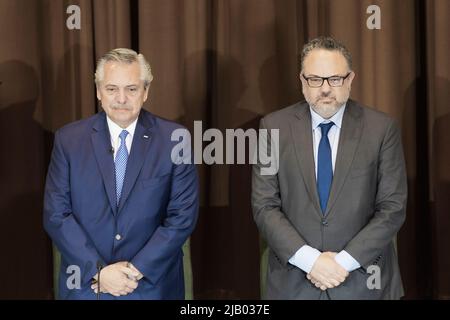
x: 118, y: 204
x: 331, y: 213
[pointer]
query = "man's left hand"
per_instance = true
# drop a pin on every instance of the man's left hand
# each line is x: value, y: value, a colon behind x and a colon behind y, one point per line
x: 140, y: 276
x: 315, y: 281
x: 94, y: 286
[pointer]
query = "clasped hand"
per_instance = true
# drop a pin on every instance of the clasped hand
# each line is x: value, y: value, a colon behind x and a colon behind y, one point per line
x: 326, y: 273
x: 118, y: 279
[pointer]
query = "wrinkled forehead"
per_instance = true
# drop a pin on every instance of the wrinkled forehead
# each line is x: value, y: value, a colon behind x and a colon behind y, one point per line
x: 122, y: 73
x: 325, y: 63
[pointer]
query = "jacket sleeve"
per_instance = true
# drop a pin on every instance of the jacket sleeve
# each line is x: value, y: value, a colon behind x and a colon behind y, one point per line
x: 272, y: 223
x: 59, y: 221
x: 390, y: 202
x: 164, y: 246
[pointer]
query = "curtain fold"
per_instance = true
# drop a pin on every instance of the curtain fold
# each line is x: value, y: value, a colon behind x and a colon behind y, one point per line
x: 438, y: 109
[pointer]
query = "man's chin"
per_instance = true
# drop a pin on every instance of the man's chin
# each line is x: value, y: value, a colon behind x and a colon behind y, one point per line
x: 327, y: 106
x: 326, y: 110
x: 122, y: 118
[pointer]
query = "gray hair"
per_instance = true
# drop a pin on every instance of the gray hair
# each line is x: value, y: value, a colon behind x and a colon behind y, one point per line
x: 124, y: 55
x: 326, y: 43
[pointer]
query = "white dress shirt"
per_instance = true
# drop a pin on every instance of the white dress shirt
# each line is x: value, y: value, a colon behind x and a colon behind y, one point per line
x: 114, y: 132
x: 306, y: 256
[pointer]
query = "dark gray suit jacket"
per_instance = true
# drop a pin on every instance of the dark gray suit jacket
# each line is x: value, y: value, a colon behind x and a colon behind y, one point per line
x: 365, y: 210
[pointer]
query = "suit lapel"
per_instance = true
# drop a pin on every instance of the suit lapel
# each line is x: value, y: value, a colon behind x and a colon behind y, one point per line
x: 141, y: 141
x: 302, y: 136
x: 101, y: 142
x: 348, y: 142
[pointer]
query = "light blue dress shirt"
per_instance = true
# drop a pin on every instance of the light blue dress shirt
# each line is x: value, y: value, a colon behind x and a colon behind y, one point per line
x: 114, y: 132
x: 306, y: 256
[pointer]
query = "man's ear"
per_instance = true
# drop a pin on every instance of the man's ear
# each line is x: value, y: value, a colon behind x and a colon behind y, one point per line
x: 146, y: 92
x: 351, y: 77
x: 302, y: 81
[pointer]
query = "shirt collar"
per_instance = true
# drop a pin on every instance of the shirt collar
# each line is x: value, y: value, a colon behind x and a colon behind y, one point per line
x: 115, y: 129
x: 316, y: 119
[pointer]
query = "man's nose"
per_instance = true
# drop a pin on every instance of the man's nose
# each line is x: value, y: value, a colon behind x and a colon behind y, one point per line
x: 325, y: 88
x: 121, y: 96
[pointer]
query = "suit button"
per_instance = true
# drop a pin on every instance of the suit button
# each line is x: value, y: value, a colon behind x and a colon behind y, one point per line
x: 118, y: 237
x: 324, y: 223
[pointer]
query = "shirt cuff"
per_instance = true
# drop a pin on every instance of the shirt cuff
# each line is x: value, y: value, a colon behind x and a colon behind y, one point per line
x: 346, y: 261
x: 305, y: 257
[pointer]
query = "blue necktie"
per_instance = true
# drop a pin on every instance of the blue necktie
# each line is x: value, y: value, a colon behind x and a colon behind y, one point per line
x: 324, y: 166
x: 121, y: 164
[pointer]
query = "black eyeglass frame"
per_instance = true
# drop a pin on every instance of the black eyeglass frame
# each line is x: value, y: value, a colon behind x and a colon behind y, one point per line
x: 326, y: 78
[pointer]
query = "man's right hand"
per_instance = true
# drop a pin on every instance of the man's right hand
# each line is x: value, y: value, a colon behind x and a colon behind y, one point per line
x: 326, y: 273
x: 114, y: 279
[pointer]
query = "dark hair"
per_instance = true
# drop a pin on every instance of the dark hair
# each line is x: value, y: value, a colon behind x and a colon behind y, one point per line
x: 326, y: 43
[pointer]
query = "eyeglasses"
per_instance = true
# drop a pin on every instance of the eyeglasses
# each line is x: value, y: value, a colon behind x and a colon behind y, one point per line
x: 333, y: 81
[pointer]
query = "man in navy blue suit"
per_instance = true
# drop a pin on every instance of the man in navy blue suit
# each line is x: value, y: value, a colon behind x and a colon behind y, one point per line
x: 118, y: 204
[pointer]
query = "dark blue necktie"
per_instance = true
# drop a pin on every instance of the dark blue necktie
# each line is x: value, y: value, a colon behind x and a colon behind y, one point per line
x: 324, y: 166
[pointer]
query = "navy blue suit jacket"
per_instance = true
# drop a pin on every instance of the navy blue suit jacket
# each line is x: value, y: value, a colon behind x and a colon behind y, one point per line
x: 157, y: 212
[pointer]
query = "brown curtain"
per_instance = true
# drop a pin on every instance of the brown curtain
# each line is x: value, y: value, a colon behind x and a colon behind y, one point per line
x: 226, y: 63
x: 437, y: 114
